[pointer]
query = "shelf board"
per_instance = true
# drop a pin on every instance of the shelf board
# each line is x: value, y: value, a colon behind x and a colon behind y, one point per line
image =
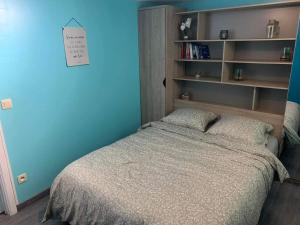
x: 247, y: 83
x: 258, y: 62
x: 237, y: 40
x: 202, y: 79
x: 200, y: 60
x: 260, y: 84
x: 200, y: 40
x: 261, y: 39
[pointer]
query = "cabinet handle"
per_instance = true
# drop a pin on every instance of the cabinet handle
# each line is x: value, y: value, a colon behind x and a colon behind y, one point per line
x: 164, y: 82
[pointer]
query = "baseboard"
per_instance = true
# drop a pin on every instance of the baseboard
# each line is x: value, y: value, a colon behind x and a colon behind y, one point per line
x: 34, y: 199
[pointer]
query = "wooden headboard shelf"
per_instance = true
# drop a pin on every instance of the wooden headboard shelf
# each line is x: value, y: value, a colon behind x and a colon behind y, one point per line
x: 263, y: 92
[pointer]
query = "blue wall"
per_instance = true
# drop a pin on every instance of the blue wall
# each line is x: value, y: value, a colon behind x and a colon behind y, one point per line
x: 294, y: 92
x: 61, y: 113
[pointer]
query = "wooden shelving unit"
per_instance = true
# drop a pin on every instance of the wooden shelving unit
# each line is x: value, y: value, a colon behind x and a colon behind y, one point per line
x: 266, y: 78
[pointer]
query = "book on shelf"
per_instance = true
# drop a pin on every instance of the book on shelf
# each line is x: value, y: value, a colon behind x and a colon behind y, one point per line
x: 194, y: 51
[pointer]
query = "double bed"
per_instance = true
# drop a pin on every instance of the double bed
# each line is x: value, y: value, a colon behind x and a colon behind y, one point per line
x: 167, y: 174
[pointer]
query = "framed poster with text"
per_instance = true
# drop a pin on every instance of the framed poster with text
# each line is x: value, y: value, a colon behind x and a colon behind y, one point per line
x: 75, y: 46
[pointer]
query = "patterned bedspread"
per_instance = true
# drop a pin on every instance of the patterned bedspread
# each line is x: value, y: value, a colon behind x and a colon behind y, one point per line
x: 166, y: 175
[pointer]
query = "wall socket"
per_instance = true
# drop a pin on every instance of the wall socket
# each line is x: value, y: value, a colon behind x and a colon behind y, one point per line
x: 22, y: 178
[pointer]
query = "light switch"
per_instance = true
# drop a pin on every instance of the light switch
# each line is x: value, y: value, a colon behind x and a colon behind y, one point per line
x: 6, y: 103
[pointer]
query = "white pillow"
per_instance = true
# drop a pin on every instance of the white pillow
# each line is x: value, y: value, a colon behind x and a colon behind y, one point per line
x: 243, y: 128
x: 191, y: 118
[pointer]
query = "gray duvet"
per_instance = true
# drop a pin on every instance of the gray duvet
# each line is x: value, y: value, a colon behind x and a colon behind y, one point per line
x: 166, y: 175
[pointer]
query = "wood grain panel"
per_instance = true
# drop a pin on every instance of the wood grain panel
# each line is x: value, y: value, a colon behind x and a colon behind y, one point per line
x: 152, y: 45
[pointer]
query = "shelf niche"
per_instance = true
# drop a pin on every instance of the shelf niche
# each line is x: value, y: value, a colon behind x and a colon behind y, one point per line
x: 268, y: 76
x: 215, y: 49
x: 235, y: 96
x: 248, y: 23
x: 204, y: 69
x: 270, y: 101
x: 261, y: 51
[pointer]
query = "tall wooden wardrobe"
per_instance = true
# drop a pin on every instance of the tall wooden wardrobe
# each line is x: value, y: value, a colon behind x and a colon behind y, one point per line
x: 156, y: 40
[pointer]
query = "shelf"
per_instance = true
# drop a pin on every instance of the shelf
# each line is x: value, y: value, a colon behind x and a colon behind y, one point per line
x: 236, y: 61
x: 258, y: 62
x: 247, y: 83
x: 196, y: 41
x: 200, y: 60
x: 260, y: 84
x: 202, y: 79
x: 260, y: 39
x: 238, y: 40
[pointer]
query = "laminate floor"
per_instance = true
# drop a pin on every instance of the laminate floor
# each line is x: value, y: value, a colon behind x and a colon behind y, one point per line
x: 282, y: 205
x: 30, y: 215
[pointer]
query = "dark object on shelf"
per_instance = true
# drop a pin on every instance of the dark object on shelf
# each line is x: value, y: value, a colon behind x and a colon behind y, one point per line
x: 198, y: 75
x: 273, y: 29
x: 185, y: 96
x: 224, y: 34
x: 186, y: 34
x: 204, y: 52
x: 286, y: 54
x: 194, y: 51
x: 238, y: 74
x: 185, y: 28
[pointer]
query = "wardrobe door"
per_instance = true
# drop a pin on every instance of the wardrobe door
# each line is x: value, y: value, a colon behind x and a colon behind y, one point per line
x: 152, y: 46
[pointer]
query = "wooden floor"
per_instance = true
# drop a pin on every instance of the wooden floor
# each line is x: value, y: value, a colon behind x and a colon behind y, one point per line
x: 31, y: 215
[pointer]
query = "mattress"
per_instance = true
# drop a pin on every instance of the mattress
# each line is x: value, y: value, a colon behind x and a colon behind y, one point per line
x: 166, y: 175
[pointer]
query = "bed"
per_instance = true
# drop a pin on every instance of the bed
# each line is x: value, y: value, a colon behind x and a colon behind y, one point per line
x: 167, y: 174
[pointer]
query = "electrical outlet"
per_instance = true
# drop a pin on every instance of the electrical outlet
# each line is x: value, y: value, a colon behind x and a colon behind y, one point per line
x: 6, y: 104
x: 22, y: 178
